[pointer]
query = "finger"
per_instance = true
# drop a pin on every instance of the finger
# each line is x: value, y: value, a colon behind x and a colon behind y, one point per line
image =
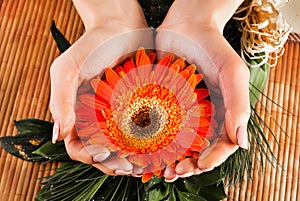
x: 234, y: 80
x: 115, y: 166
x: 170, y: 174
x: 137, y: 171
x: 76, y: 149
x: 186, y: 168
x: 216, y: 154
x: 64, y: 74
x: 99, y: 152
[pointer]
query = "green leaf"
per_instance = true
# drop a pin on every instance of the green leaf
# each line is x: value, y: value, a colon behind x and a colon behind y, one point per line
x: 184, y: 196
x: 22, y: 145
x: 153, y: 183
x: 160, y: 193
x: 62, y: 43
x: 35, y: 126
x: 205, y: 179
x: 53, y: 151
x: 258, y: 80
x: 213, y: 192
x: 191, y: 186
x: 171, y: 196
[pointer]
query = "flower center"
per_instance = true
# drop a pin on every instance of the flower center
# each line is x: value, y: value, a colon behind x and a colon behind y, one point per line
x: 148, y: 121
x: 142, y: 118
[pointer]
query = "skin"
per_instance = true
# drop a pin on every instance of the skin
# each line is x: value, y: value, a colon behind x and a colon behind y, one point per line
x: 200, y: 40
x: 119, y: 17
x: 198, y: 34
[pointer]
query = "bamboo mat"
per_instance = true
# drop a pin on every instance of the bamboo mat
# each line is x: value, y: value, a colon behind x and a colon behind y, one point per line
x: 26, y: 53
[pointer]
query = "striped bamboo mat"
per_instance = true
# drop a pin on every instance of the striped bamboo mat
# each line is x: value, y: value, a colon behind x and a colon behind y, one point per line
x: 26, y: 53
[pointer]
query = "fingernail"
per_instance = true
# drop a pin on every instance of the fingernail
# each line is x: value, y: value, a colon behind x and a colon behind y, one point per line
x: 207, y: 169
x: 171, y: 180
x: 100, y: 157
x: 242, y: 137
x: 137, y: 175
x: 188, y: 174
x: 122, y: 172
x: 55, y: 132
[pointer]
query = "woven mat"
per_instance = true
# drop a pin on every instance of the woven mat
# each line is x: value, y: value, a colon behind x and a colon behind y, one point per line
x: 26, y: 53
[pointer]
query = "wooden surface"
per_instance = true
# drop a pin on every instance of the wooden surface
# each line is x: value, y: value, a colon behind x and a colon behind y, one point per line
x: 26, y: 53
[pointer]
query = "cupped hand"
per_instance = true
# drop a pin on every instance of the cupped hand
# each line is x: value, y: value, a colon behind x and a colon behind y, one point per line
x: 194, y: 30
x: 116, y: 28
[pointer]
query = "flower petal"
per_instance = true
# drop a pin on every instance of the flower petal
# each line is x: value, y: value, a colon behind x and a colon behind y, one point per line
x: 156, y: 159
x: 152, y: 57
x: 188, y: 71
x: 141, y: 58
x: 102, y: 89
x: 166, y: 61
x: 168, y: 157
x: 185, y: 139
x: 112, y: 77
x: 129, y: 65
x: 142, y: 160
x: 92, y: 101
x: 179, y: 63
x: 201, y: 93
x: 120, y: 71
x: 147, y: 176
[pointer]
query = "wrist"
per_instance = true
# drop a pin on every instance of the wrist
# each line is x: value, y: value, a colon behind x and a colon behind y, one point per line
x: 213, y: 13
x: 95, y: 13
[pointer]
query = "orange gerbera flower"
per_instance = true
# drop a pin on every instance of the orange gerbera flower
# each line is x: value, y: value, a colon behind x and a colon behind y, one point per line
x: 152, y: 114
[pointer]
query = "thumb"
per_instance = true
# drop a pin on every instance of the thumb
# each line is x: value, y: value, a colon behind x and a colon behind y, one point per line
x: 64, y: 74
x: 234, y: 78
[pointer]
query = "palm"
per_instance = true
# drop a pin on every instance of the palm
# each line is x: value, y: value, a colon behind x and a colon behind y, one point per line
x: 226, y: 77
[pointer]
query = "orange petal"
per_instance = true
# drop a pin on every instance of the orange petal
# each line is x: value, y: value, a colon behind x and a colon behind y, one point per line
x: 102, y: 89
x: 188, y: 71
x: 156, y: 159
x: 199, y: 77
x: 112, y: 77
x: 152, y: 57
x: 206, y: 108
x: 122, y: 154
x: 166, y: 61
x: 197, y: 122
x: 185, y: 139
x: 175, y: 67
x: 141, y: 58
x: 201, y: 93
x: 87, y: 131
x: 197, y: 144
x: 193, y: 81
x: 92, y: 101
x: 140, y: 160
x: 120, y: 71
x: 147, y: 176
x: 129, y: 65
x: 168, y: 157
x: 158, y: 171
x: 179, y: 63
x: 98, y: 138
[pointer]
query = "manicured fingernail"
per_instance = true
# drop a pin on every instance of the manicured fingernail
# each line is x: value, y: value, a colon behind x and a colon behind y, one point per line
x: 100, y: 157
x: 242, y: 137
x: 122, y: 172
x: 171, y: 180
x: 55, y: 132
x: 137, y: 175
x: 188, y: 174
x: 207, y: 169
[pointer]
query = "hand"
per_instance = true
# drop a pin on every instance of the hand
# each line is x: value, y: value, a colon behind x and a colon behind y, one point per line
x: 103, y: 21
x: 194, y: 30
